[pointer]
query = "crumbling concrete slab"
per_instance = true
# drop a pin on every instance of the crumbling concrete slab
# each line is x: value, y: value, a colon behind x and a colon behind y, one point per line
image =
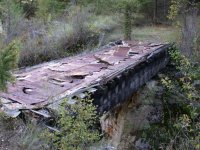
x: 39, y: 86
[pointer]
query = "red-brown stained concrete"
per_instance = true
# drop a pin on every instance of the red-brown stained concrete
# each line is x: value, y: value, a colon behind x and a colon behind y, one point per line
x: 40, y: 85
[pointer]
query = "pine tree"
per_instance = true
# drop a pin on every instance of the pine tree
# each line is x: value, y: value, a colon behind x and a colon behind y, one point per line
x: 8, y: 61
x: 127, y: 22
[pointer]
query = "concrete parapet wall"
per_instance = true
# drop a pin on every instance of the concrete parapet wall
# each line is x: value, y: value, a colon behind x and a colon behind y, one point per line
x: 123, y: 86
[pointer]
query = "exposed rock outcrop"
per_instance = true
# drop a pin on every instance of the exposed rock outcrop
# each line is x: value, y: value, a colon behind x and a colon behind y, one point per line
x: 124, y: 124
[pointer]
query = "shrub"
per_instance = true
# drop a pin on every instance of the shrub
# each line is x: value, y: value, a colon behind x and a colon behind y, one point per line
x: 45, y: 42
x: 8, y: 61
x: 76, y: 126
x: 44, y: 39
x: 10, y: 13
x: 40, y: 44
x: 180, y: 126
x: 29, y: 138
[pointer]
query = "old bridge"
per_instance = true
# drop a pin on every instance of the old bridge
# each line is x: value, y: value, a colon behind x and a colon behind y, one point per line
x: 110, y: 75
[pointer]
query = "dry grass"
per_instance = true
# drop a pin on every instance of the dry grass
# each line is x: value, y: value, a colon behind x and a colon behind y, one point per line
x: 17, y: 135
x: 61, y: 39
x: 147, y: 33
x: 79, y: 31
x: 156, y: 34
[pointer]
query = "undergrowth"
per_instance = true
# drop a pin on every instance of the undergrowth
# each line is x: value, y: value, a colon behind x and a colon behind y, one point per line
x: 180, y: 126
x: 76, y: 126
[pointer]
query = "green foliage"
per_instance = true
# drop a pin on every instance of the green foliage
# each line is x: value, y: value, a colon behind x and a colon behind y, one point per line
x: 49, y: 9
x: 181, y: 6
x: 129, y: 8
x: 188, y: 72
x: 29, y: 7
x: 174, y: 9
x: 76, y: 126
x: 30, y: 137
x: 6, y: 6
x: 180, y: 126
x: 90, y: 22
x: 184, y: 65
x: 184, y: 13
x: 8, y: 61
x: 125, y: 7
x: 43, y: 11
x: 127, y: 23
x: 10, y: 13
x: 182, y: 83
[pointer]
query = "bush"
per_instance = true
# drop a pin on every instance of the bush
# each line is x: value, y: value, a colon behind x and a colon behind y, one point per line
x: 8, y: 61
x: 181, y: 99
x: 10, y: 13
x: 76, y: 126
x: 45, y: 42
x: 41, y: 44
x: 46, y: 38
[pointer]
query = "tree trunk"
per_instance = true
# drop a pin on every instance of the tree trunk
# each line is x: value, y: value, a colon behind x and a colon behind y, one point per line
x: 74, y: 2
x: 127, y: 22
x: 189, y: 31
x: 155, y: 11
x: 165, y: 10
x: 9, y: 22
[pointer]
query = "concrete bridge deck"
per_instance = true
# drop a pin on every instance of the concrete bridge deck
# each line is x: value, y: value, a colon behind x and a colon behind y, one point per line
x: 111, y: 74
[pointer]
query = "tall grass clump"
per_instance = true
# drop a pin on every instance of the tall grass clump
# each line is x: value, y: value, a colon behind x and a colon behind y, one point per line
x: 60, y: 38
